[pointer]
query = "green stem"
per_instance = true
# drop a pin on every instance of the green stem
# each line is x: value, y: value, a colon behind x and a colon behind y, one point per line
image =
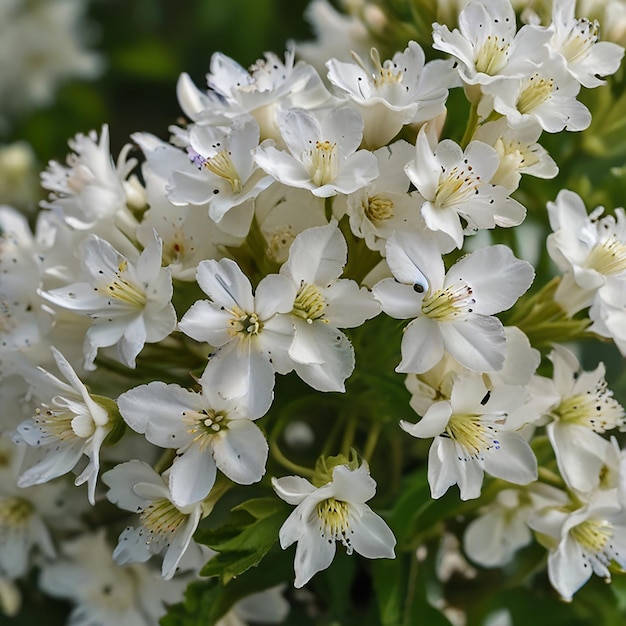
x: 348, y: 435
x: 281, y: 459
x: 472, y: 123
x: 371, y: 441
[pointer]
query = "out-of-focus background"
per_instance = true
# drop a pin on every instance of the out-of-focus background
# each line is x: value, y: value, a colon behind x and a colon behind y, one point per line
x: 68, y: 66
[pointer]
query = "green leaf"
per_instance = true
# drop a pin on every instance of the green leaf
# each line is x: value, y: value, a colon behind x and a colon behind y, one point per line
x: 248, y: 536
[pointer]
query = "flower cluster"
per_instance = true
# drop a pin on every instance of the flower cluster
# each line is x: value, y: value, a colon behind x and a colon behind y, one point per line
x: 306, y: 278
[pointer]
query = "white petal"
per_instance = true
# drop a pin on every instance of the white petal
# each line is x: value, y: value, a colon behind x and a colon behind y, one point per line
x: 397, y: 299
x: 313, y: 554
x: 317, y: 255
x: 157, y: 409
x: 192, y: 476
x: 478, y: 342
x: 514, y: 461
x: 225, y: 283
x: 292, y: 489
x: 372, y: 537
x: 122, y: 479
x: 241, y: 452
x: 496, y: 277
x: 422, y: 346
x: 433, y: 423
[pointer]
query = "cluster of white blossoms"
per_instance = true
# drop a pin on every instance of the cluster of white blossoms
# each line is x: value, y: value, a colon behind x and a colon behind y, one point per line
x: 172, y: 305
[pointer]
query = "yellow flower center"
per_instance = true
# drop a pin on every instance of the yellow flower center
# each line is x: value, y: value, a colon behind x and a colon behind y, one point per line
x: 222, y: 165
x: 377, y: 208
x: 580, y: 39
x: 204, y: 425
x: 456, y: 185
x: 123, y: 289
x: 15, y: 512
x: 536, y: 91
x: 448, y: 304
x: 334, y: 520
x: 161, y: 519
x: 243, y: 325
x: 608, y: 257
x: 492, y: 55
x: 596, y: 409
x: 593, y: 535
x: 472, y: 434
x: 309, y: 303
x: 324, y: 165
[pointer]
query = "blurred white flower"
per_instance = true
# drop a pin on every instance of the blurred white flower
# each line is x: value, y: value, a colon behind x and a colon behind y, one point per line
x: 103, y: 592
x: 41, y: 45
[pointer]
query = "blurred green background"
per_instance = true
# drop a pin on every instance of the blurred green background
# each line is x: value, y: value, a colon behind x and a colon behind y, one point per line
x: 146, y: 44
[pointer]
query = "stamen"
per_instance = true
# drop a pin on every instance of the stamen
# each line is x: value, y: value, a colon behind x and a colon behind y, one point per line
x: 596, y: 409
x: 323, y: 165
x: 161, y: 518
x: 242, y: 324
x: 608, y: 257
x: 449, y: 303
x: 377, y: 208
x: 456, y: 186
x: 536, y: 91
x: 492, y: 56
x: 473, y: 435
x: 15, y: 512
x: 334, y: 519
x: 123, y: 290
x: 204, y: 425
x: 309, y: 303
x: 222, y: 165
x: 580, y: 39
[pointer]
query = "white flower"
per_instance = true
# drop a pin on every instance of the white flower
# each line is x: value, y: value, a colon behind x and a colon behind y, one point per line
x: 576, y: 42
x: 323, y: 155
x: 398, y: 91
x: 267, y: 607
x: 267, y: 87
x: 333, y: 512
x: 28, y: 515
x: 586, y: 541
x: 338, y: 35
x: 487, y: 45
x: 163, y: 526
x: 282, y: 212
x: 206, y: 431
x: 493, y: 537
x: 591, y: 247
x: 471, y: 437
x: 68, y: 424
x: 103, y: 592
x: 546, y: 96
x: 385, y: 205
x: 89, y: 193
x: 24, y: 323
x: 225, y: 174
x: 322, y: 355
x: 519, y: 152
x: 608, y: 313
x: 453, y: 312
x: 455, y: 185
x: 128, y: 303
x: 245, y: 330
x: 585, y: 409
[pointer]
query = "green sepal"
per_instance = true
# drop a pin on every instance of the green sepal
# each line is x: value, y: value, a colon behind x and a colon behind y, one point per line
x: 326, y: 464
x: 118, y: 425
